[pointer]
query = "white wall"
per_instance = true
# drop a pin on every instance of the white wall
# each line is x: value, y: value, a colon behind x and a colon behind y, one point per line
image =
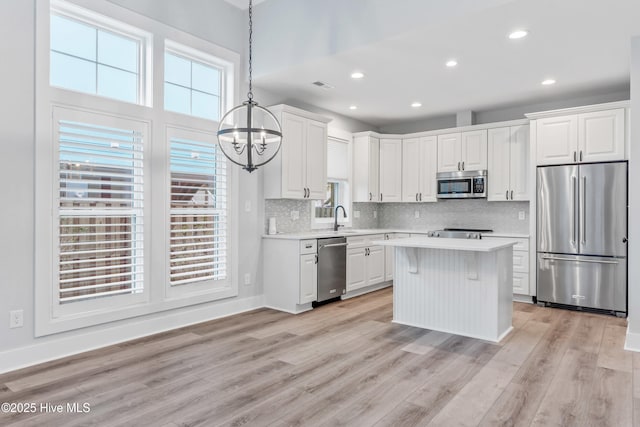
x: 633, y: 332
x: 17, y: 34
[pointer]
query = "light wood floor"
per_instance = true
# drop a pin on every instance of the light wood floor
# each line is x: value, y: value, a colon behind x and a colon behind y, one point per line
x: 346, y: 364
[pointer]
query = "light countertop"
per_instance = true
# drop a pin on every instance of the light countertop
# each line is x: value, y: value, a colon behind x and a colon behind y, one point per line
x: 474, y: 245
x: 321, y: 234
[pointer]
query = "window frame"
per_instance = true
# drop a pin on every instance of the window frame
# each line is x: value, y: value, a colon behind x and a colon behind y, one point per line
x: 47, y: 320
x: 342, y: 136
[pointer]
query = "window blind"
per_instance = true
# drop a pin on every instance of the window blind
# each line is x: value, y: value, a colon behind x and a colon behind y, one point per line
x: 100, y: 211
x: 198, y: 241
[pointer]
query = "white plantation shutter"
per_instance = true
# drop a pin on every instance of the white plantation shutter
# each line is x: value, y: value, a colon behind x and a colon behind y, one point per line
x: 198, y: 234
x: 100, y: 206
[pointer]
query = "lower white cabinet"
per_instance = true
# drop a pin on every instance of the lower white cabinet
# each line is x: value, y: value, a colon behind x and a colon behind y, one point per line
x: 390, y: 254
x: 290, y: 274
x: 308, y: 278
x: 520, y: 264
x: 365, y: 262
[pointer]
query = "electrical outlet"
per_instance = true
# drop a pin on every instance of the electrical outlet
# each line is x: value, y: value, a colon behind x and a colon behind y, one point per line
x: 375, y: 214
x: 247, y: 278
x: 416, y: 214
x: 356, y: 214
x: 247, y: 205
x: 295, y: 215
x: 16, y: 319
x: 521, y: 215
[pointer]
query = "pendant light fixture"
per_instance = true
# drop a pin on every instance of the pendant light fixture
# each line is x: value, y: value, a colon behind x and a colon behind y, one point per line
x: 249, y: 135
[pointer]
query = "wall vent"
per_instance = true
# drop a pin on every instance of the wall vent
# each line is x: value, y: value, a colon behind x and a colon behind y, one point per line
x: 323, y: 85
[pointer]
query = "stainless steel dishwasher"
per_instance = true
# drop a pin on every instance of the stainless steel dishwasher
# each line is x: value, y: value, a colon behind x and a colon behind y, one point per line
x: 332, y: 268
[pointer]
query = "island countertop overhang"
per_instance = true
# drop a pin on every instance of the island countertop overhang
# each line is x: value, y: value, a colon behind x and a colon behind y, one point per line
x: 474, y: 245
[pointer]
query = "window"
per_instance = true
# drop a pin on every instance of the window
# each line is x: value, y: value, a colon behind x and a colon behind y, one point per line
x: 192, y: 87
x: 100, y: 211
x: 134, y: 206
x: 87, y: 55
x: 338, y: 185
x: 198, y: 228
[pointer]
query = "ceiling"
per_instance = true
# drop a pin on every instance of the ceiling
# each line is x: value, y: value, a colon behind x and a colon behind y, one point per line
x: 583, y: 44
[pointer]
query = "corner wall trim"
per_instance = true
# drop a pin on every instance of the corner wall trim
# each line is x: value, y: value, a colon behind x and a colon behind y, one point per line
x: 52, y: 349
x: 632, y: 343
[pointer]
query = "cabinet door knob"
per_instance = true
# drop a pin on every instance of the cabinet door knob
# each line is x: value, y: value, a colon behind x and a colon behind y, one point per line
x: 462, y: 165
x: 416, y: 197
x: 580, y: 155
x: 380, y: 196
x: 575, y: 156
x: 370, y: 196
x: 420, y: 196
x: 316, y: 258
x: 458, y: 165
x: 506, y: 195
x: 511, y: 194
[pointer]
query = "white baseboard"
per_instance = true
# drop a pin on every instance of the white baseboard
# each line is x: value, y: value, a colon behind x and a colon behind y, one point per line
x: 52, y: 348
x: 527, y: 299
x: 632, y: 342
x: 366, y: 290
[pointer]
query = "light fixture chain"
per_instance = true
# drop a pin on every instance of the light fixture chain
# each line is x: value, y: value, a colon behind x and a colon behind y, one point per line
x: 250, y: 94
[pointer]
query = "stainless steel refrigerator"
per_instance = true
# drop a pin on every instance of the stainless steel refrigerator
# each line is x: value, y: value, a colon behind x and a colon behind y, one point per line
x: 582, y: 235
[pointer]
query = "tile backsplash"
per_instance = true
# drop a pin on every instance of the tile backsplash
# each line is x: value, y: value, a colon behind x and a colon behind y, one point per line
x: 498, y: 216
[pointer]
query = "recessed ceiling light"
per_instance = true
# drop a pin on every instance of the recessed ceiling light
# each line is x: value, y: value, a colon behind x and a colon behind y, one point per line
x: 451, y: 63
x: 518, y: 34
x: 548, y: 82
x: 353, y: 107
x: 416, y: 105
x: 357, y: 75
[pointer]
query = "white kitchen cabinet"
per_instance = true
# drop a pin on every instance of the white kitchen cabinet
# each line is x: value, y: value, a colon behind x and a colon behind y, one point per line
x: 308, y: 278
x: 449, y: 152
x: 366, y: 168
x: 290, y: 274
x: 508, y: 163
x: 474, y: 150
x: 462, y: 151
x: 390, y: 170
x: 595, y: 136
x: 389, y: 254
x: 601, y: 136
x: 299, y: 171
x: 365, y: 262
x: 419, y: 165
x: 520, y: 264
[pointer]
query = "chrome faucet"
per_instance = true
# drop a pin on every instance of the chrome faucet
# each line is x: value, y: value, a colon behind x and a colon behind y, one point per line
x: 335, y: 217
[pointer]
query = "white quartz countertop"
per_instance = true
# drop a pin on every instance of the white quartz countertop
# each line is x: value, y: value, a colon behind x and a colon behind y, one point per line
x: 474, y: 245
x: 321, y: 234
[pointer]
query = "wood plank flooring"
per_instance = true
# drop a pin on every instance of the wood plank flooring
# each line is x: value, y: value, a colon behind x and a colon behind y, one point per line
x: 344, y: 364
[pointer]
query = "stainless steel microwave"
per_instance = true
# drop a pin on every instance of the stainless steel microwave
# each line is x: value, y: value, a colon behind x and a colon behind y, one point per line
x: 462, y: 185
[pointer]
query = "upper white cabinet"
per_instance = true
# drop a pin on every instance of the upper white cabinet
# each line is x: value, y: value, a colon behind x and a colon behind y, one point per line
x: 419, y: 165
x: 508, y: 163
x: 366, y: 168
x: 595, y: 136
x: 462, y: 151
x: 390, y: 170
x: 299, y: 171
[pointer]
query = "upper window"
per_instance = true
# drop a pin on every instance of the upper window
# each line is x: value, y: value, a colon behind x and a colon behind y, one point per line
x: 338, y: 188
x: 192, y: 87
x: 88, y: 57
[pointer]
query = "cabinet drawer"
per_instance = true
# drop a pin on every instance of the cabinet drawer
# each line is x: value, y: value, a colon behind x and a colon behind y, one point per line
x: 521, y: 283
x: 308, y: 246
x: 522, y: 245
x: 357, y: 241
x: 521, y: 261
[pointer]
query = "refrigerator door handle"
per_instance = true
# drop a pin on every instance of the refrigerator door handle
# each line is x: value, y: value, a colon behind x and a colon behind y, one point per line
x: 583, y: 211
x: 592, y: 261
x: 572, y: 217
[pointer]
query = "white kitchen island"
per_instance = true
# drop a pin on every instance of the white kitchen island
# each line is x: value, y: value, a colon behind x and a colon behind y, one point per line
x: 459, y: 286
